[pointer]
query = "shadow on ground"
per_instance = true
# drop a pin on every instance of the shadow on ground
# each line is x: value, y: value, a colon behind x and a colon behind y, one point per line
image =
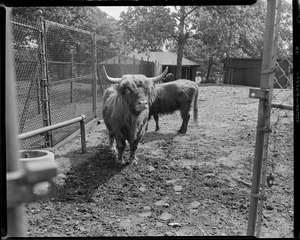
x: 158, y: 136
x: 86, y: 176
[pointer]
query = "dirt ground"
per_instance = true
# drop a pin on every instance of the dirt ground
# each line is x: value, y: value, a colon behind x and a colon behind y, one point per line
x: 193, y: 184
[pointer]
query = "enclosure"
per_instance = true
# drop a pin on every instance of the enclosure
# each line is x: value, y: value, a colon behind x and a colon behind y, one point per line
x: 230, y: 174
x: 195, y: 184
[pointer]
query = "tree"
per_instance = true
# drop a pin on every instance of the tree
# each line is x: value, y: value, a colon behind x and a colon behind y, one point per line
x: 146, y: 28
x: 182, y: 34
x: 225, y: 32
x: 86, y: 18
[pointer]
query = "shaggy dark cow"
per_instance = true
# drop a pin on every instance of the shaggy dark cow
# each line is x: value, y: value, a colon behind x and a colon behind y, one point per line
x: 168, y: 78
x: 126, y: 110
x: 172, y: 96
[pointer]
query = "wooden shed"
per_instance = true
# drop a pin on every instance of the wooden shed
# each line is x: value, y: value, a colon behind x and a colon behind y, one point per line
x: 169, y: 59
x: 247, y: 71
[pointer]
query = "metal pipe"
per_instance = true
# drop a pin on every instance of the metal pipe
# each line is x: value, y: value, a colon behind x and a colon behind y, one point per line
x: 52, y: 127
x: 282, y: 106
x: 15, y: 215
x: 262, y: 115
x: 44, y: 79
x: 82, y: 133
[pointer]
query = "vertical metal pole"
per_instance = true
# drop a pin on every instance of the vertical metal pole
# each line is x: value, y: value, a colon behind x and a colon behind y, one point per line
x: 72, y: 74
x: 15, y: 215
x: 268, y: 117
x: 82, y: 134
x: 44, y: 80
x: 94, y: 73
x: 262, y: 115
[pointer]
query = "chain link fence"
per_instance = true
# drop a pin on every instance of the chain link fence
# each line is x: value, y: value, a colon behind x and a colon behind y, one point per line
x: 53, y: 63
x: 59, y: 77
x: 70, y: 76
x: 26, y: 46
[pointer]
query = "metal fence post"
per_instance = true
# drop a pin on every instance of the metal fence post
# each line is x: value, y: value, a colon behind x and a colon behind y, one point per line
x: 72, y: 75
x: 94, y: 74
x: 263, y: 114
x: 44, y: 78
x: 15, y: 215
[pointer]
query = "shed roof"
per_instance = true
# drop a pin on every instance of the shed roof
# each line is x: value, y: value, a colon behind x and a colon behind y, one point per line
x: 164, y: 58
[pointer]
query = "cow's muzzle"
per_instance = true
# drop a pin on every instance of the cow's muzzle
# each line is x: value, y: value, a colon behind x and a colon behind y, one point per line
x: 141, y: 105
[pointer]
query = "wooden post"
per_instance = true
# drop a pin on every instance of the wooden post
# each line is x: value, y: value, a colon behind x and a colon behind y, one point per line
x: 44, y: 80
x: 263, y: 115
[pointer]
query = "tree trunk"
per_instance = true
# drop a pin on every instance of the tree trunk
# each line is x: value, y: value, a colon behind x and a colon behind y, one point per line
x: 209, y: 67
x: 179, y: 56
x: 181, y: 42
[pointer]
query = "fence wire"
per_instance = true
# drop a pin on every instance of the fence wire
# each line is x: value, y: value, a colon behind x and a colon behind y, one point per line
x: 279, y: 166
x: 69, y: 64
x: 25, y: 44
x: 69, y: 77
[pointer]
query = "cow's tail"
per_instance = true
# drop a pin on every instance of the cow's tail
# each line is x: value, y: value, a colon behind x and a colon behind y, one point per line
x: 196, y: 106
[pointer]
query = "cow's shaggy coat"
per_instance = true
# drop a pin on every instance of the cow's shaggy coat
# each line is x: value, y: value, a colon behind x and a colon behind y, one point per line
x: 172, y: 96
x: 126, y: 110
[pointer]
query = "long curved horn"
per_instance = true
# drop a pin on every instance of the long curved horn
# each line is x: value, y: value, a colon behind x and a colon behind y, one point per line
x: 159, y: 77
x: 110, y: 79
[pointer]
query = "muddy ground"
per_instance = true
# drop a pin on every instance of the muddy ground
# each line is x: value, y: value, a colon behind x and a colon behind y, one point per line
x: 193, y: 184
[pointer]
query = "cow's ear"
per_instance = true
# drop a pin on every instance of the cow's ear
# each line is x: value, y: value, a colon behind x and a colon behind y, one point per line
x: 121, y: 89
x: 124, y: 90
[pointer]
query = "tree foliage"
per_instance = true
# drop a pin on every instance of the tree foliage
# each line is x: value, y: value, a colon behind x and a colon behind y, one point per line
x: 146, y: 28
x: 224, y: 32
x: 61, y: 42
x: 207, y: 35
x: 234, y: 31
x: 86, y: 18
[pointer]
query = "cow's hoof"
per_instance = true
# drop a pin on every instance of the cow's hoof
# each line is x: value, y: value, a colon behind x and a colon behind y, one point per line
x: 133, y: 161
x: 113, y: 149
x: 121, y: 161
x: 181, y: 131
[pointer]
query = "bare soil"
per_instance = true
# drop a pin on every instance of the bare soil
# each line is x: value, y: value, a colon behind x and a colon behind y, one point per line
x: 193, y: 184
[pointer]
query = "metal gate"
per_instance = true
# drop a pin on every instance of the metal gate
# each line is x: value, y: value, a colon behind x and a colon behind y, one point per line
x: 275, y: 115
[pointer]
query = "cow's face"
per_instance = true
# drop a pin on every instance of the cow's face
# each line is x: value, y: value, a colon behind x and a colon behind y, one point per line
x: 136, y: 91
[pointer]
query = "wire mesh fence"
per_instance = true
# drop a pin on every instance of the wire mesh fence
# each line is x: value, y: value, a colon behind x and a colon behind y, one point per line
x: 69, y: 65
x: 25, y: 44
x: 56, y: 77
x: 68, y: 77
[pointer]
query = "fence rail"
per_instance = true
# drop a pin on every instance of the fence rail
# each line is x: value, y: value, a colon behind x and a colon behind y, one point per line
x: 80, y: 119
